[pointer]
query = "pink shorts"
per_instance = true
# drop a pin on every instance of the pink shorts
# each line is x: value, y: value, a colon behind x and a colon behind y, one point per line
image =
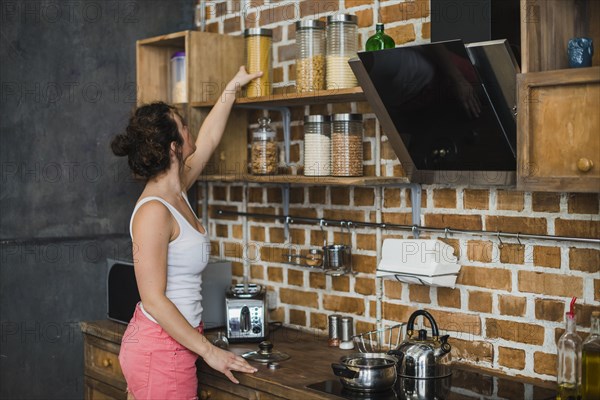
x: 154, y: 364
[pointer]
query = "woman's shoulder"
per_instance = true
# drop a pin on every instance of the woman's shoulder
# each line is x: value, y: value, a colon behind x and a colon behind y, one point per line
x: 152, y: 204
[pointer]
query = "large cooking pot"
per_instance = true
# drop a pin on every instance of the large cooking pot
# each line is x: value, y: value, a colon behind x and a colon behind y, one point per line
x: 422, y: 357
x: 367, y: 372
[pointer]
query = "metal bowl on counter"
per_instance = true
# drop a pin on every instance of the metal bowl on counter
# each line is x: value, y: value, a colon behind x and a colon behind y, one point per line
x: 367, y: 372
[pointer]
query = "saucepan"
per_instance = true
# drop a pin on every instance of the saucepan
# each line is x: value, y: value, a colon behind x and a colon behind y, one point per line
x: 367, y: 372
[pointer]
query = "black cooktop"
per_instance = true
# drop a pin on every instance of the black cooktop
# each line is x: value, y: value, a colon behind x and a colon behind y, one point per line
x: 463, y: 384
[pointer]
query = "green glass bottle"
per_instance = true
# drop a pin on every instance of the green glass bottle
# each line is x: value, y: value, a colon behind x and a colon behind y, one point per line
x: 379, y: 40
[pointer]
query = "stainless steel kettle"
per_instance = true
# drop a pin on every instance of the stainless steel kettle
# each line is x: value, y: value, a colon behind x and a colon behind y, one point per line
x: 422, y: 357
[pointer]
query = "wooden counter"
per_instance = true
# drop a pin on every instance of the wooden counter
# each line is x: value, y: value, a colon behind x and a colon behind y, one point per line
x: 310, y: 363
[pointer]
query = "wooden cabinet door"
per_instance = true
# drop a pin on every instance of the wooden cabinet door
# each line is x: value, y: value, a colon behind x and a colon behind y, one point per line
x: 101, y: 359
x: 214, y: 388
x: 96, y: 390
x: 559, y: 131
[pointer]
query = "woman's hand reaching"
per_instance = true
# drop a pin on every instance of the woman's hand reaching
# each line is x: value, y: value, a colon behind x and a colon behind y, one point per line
x: 242, y: 78
x: 225, y: 362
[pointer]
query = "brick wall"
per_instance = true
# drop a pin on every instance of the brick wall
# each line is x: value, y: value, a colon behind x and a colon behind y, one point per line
x: 508, y: 307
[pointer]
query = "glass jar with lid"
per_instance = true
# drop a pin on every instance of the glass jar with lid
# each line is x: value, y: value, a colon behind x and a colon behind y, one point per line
x: 342, y: 45
x: 264, y: 156
x: 346, y: 145
x: 178, y: 81
x: 317, y: 145
x: 258, y: 58
x: 310, y: 55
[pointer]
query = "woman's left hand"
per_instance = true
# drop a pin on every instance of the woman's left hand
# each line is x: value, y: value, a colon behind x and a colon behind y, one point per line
x: 243, y: 77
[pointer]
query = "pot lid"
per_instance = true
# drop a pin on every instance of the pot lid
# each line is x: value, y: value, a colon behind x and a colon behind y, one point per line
x: 265, y: 354
x: 264, y: 130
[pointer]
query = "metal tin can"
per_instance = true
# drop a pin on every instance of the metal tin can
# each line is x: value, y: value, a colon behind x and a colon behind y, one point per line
x: 346, y: 330
x: 334, y: 330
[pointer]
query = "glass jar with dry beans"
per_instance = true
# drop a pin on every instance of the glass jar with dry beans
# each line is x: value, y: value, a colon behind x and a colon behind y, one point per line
x: 258, y: 58
x: 264, y: 157
x: 310, y: 55
x: 317, y: 145
x: 346, y: 145
x: 342, y: 45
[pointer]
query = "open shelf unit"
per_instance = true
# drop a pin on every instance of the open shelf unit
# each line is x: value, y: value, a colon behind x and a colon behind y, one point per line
x: 306, y: 180
x: 292, y: 98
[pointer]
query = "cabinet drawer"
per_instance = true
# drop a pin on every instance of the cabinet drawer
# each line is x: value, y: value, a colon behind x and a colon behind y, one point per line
x: 213, y: 388
x: 558, y: 131
x: 102, y: 361
x: 96, y: 390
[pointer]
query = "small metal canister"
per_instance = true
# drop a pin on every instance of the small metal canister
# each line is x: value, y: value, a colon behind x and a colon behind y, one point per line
x: 334, y: 330
x: 346, y: 329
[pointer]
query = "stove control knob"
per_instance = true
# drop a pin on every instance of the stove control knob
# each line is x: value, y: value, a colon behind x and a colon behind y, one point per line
x: 256, y: 329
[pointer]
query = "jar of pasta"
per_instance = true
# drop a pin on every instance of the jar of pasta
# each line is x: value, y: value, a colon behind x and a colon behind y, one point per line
x: 342, y: 45
x: 258, y: 58
x: 346, y: 145
x: 317, y: 145
x: 264, y: 157
x: 310, y: 55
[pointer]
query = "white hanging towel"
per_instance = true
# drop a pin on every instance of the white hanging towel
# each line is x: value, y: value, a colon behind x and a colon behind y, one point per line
x: 421, y: 261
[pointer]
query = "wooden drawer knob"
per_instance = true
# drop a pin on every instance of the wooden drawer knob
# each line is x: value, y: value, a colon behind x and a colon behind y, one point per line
x: 107, y: 363
x: 205, y: 395
x: 584, y: 164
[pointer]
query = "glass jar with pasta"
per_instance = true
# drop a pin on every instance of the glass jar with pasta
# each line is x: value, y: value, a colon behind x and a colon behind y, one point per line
x: 310, y: 56
x: 258, y: 58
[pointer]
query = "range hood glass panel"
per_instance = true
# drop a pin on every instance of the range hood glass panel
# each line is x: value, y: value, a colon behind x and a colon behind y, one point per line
x: 434, y: 96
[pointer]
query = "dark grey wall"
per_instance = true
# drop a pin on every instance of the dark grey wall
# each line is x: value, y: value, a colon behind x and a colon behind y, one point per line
x: 67, y: 86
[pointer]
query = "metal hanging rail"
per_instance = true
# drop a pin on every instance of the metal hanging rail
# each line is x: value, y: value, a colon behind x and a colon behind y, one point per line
x: 415, y: 229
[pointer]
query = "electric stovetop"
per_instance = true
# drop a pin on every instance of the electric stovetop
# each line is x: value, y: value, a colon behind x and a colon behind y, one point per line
x: 463, y: 384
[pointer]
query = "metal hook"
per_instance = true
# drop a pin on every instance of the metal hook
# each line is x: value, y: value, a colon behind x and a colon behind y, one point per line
x: 323, y: 233
x: 415, y: 231
x: 349, y: 225
x: 500, y: 245
x: 288, y: 220
x: 446, y: 233
x: 518, y: 239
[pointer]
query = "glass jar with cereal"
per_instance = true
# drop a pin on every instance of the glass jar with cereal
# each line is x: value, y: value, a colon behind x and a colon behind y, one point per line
x: 264, y: 157
x: 346, y: 145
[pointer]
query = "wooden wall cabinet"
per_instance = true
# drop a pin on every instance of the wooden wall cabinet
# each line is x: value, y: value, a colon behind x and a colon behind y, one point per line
x: 558, y: 121
x: 211, y: 61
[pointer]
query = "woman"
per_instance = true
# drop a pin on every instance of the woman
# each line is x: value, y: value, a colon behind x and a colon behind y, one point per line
x: 170, y: 249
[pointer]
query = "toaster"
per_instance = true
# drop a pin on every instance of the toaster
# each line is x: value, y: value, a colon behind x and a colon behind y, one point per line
x: 246, y: 313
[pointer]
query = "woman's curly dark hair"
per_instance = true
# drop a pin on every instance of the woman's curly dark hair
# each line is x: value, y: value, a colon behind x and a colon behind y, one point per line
x: 147, y: 140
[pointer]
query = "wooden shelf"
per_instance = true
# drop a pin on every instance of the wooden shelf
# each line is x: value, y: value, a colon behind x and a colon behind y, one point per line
x: 171, y: 39
x: 306, y: 180
x: 297, y: 99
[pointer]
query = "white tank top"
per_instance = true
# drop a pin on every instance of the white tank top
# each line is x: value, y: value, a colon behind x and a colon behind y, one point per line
x: 187, y: 256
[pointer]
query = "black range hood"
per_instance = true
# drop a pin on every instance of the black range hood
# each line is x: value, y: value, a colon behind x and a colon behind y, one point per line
x: 446, y: 108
